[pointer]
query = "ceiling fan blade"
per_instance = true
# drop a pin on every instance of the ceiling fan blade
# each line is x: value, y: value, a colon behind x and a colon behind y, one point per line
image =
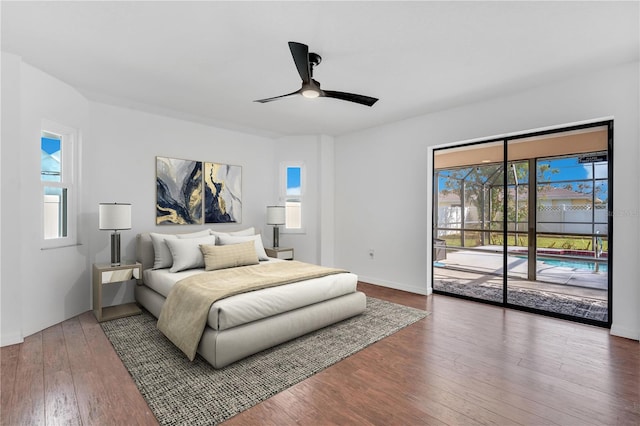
x: 351, y: 97
x: 300, y: 53
x: 275, y: 98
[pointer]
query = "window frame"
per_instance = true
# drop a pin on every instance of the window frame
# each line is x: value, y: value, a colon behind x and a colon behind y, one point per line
x: 284, y: 166
x: 69, y: 139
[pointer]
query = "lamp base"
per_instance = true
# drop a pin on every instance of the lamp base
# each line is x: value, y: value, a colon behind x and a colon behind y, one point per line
x: 115, y: 249
x: 276, y: 237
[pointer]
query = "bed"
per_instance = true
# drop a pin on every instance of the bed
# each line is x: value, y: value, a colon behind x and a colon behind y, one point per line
x: 243, y: 324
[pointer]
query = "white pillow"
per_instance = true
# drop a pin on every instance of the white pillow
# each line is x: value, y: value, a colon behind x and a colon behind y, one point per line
x: 243, y: 232
x: 226, y: 240
x: 186, y: 252
x: 162, y: 255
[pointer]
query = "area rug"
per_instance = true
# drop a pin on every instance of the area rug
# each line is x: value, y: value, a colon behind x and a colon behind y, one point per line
x: 580, y: 307
x: 194, y: 393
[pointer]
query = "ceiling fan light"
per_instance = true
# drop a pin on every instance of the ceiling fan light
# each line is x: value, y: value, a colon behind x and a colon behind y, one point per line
x: 310, y: 93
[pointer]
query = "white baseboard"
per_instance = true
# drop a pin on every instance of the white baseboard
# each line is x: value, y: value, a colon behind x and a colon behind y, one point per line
x: 10, y: 339
x: 397, y: 286
x: 627, y: 333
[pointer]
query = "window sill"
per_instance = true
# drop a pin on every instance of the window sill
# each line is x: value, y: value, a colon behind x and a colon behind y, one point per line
x: 293, y: 231
x: 53, y: 247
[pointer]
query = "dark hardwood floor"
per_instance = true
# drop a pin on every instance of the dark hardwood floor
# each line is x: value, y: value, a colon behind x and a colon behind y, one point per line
x: 465, y: 364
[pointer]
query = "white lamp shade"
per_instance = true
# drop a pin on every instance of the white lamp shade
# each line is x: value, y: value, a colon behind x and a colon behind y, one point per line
x: 275, y: 215
x: 114, y: 216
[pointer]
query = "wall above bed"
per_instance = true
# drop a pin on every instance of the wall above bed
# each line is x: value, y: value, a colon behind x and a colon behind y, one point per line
x: 133, y: 139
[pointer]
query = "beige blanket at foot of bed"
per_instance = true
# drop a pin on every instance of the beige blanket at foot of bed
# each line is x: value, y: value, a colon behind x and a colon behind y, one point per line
x: 184, y: 314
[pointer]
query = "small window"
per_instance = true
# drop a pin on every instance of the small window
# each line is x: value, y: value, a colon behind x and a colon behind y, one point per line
x: 57, y: 180
x: 293, y: 189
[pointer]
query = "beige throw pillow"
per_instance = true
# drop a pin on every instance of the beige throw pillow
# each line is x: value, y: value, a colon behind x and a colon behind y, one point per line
x: 231, y: 256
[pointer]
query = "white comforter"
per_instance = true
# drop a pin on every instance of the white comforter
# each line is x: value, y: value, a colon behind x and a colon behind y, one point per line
x: 247, y: 307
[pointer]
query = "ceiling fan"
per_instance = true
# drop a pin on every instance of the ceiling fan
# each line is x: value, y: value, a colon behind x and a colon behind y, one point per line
x: 305, y: 63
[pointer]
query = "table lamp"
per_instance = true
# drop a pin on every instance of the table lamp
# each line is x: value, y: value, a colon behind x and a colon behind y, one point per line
x: 115, y: 217
x: 275, y: 217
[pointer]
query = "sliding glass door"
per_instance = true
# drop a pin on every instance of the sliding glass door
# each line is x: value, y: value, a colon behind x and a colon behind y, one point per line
x: 468, y: 211
x: 524, y: 222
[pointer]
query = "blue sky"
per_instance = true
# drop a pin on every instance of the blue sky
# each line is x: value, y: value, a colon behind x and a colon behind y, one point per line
x: 50, y: 145
x: 569, y: 169
x: 293, y: 180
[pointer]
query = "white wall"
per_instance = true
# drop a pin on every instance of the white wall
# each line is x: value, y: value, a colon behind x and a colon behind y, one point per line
x: 10, y: 293
x: 316, y: 152
x: 122, y: 146
x: 327, y: 176
x: 39, y: 287
x: 383, y: 196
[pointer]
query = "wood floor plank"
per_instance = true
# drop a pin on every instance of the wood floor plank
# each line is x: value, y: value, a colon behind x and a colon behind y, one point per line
x: 60, y: 396
x: 8, y: 369
x: 441, y: 375
x: 91, y: 393
x: 467, y: 363
x: 402, y: 372
x: 282, y: 411
x: 380, y: 403
x: 122, y: 392
x: 27, y: 401
x: 490, y: 368
x: 322, y: 397
x: 578, y: 401
x: 621, y: 385
x: 427, y: 379
x: 394, y: 404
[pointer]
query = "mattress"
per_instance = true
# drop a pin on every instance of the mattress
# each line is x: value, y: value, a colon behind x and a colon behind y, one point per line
x: 256, y: 305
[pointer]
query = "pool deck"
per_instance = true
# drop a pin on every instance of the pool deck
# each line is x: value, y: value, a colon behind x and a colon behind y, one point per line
x: 491, y: 263
x: 475, y: 278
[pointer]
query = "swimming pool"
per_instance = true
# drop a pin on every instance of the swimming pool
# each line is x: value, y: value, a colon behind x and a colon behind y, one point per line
x: 574, y: 264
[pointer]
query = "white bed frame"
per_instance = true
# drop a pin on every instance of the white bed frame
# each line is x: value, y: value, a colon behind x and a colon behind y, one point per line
x: 221, y: 348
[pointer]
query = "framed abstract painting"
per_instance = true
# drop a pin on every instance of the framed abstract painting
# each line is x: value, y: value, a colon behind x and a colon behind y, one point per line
x: 179, y: 191
x: 222, y: 193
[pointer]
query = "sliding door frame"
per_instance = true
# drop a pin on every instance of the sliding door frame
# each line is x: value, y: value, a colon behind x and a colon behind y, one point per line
x: 532, y: 218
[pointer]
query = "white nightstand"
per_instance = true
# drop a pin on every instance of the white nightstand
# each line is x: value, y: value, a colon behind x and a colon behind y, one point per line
x: 107, y: 274
x: 280, y: 252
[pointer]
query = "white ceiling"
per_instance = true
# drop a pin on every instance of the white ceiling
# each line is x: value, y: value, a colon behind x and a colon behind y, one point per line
x: 208, y: 60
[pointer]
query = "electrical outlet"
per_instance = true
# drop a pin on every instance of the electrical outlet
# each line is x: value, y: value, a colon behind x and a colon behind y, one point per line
x: 371, y: 253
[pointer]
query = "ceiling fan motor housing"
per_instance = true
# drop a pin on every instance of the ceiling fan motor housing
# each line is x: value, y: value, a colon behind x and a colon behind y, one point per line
x: 314, y: 59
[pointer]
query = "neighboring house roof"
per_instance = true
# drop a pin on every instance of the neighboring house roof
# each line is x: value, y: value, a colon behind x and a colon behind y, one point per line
x: 50, y: 163
x: 448, y: 198
x: 563, y: 194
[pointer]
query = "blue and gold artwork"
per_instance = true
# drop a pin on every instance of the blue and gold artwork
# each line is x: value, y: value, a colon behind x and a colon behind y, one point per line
x: 179, y: 191
x: 222, y: 193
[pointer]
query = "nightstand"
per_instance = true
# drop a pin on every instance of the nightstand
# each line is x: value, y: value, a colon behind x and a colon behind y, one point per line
x: 107, y: 274
x: 280, y: 252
